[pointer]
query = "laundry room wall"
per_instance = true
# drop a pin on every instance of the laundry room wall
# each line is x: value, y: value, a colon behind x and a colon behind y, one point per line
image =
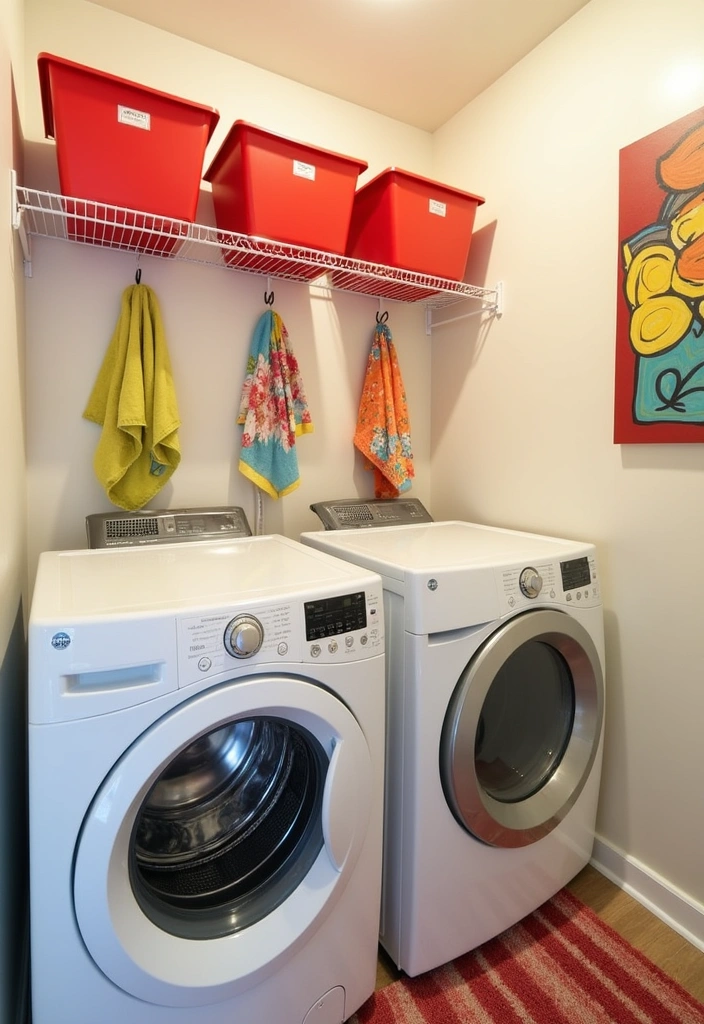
x: 522, y: 407
x: 13, y: 579
x: 209, y: 314
x: 516, y: 427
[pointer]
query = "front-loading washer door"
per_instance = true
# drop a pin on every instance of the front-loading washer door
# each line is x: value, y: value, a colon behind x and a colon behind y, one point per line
x: 221, y: 839
x: 522, y: 729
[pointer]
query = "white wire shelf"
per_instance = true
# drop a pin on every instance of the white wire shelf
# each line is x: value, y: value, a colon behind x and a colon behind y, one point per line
x: 113, y: 227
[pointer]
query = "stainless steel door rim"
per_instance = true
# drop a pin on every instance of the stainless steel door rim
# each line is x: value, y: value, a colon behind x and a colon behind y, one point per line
x: 517, y: 822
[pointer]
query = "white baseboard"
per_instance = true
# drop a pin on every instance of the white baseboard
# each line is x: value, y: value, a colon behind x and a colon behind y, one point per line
x: 678, y: 910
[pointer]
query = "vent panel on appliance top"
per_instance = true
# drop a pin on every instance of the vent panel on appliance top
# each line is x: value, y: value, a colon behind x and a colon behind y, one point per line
x: 356, y: 513
x: 166, y: 526
x: 349, y: 514
x: 131, y: 528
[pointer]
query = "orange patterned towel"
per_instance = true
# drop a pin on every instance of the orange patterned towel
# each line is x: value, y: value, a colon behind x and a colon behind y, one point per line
x: 383, y: 433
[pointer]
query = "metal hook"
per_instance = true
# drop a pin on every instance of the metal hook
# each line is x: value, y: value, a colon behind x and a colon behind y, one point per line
x: 381, y: 318
x: 269, y: 298
x: 138, y: 274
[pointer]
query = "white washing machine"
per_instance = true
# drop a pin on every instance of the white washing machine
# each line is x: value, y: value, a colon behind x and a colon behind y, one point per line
x: 495, y: 678
x: 206, y: 746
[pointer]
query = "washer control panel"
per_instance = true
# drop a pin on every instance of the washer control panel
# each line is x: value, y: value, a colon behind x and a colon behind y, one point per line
x: 573, y: 581
x: 331, y: 630
x: 331, y: 616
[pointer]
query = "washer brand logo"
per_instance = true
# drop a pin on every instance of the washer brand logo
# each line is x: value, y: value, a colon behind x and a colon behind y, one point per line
x: 60, y: 641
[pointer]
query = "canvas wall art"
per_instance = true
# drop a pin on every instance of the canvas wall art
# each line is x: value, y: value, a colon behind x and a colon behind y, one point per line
x: 659, y: 394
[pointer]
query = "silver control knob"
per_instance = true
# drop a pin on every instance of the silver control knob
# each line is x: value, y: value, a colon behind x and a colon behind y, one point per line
x: 244, y: 636
x: 531, y: 582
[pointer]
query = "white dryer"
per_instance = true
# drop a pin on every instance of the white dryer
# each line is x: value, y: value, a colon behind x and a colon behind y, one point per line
x: 495, y: 677
x: 206, y: 746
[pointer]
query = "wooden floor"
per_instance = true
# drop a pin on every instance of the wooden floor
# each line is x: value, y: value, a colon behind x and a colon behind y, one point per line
x: 666, y: 948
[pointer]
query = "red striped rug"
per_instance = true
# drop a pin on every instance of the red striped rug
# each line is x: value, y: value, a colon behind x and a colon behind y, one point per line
x: 561, y: 965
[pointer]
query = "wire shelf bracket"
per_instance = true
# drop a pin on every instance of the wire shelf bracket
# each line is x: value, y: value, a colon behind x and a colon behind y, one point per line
x: 86, y: 221
x: 495, y: 308
x: 18, y: 224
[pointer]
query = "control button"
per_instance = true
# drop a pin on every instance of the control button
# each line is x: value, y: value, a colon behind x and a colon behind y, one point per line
x: 349, y: 641
x: 579, y: 595
x: 204, y: 664
x: 568, y: 597
x: 530, y: 581
x: 511, y: 601
x: 364, y: 639
x: 315, y: 651
x: 333, y: 647
x: 244, y: 636
x: 552, y: 592
x: 282, y: 648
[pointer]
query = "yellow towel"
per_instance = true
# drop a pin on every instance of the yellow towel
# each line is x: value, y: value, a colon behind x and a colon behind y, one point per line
x: 133, y: 400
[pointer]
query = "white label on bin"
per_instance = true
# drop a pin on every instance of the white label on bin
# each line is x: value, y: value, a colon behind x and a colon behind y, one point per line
x: 438, y: 208
x: 137, y: 118
x: 302, y: 170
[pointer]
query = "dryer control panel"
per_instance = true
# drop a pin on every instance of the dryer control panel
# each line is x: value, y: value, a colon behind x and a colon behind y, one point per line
x: 570, y: 582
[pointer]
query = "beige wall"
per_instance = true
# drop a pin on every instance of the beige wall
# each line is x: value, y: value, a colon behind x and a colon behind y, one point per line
x: 12, y: 539
x: 209, y: 314
x: 12, y: 507
x: 522, y: 412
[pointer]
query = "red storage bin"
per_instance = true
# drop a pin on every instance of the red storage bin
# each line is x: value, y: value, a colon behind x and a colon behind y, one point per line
x: 125, y: 145
x: 273, y: 187
x: 402, y: 220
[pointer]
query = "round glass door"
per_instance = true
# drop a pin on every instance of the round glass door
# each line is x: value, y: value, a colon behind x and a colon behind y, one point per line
x: 223, y: 836
x: 229, y: 828
x: 522, y: 729
x: 525, y: 722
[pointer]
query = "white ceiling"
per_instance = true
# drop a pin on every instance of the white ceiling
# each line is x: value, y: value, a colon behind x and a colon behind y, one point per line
x: 419, y: 61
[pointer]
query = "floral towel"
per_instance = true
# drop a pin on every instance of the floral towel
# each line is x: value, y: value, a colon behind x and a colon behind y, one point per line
x: 383, y: 433
x: 273, y: 410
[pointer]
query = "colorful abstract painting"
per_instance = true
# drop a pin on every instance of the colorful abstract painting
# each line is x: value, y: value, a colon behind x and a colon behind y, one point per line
x: 659, y: 396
